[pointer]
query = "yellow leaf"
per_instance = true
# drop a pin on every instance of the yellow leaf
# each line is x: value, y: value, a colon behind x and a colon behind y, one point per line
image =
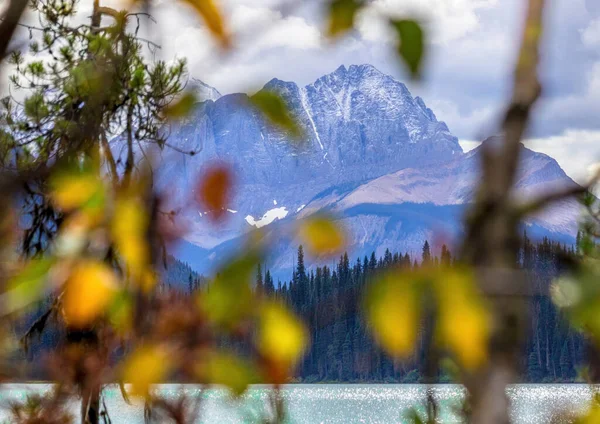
x: 393, y: 311
x: 71, y: 191
x: 146, y: 366
x: 281, y: 337
x: 88, y: 292
x: 129, y: 226
x: 322, y: 236
x: 464, y: 322
x: 229, y: 370
x: 592, y: 415
x: 213, y: 18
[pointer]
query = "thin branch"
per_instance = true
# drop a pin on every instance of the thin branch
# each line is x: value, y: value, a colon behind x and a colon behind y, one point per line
x: 545, y: 200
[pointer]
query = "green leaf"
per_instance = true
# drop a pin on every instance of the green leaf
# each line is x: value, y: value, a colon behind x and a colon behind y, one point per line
x: 224, y: 368
x: 181, y: 107
x: 228, y: 299
x: 276, y: 111
x: 411, y: 44
x: 341, y: 16
x: 588, y: 199
x: 28, y: 285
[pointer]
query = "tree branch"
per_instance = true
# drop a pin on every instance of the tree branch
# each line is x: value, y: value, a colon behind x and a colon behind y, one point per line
x: 10, y: 20
x: 545, y: 200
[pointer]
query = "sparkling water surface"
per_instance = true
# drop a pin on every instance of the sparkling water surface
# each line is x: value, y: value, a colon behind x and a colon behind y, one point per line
x: 335, y: 403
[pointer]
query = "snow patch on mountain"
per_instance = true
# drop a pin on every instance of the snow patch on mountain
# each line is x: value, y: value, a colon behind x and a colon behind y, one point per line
x: 269, y: 216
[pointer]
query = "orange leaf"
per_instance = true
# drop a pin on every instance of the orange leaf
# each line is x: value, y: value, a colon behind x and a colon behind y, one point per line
x: 215, y: 190
x: 88, y: 292
x: 213, y: 19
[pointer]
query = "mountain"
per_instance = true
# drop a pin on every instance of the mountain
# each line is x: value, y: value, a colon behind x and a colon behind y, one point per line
x: 359, y: 124
x: 372, y: 154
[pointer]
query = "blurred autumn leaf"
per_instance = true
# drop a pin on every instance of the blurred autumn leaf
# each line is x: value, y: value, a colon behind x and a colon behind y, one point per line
x: 394, y: 303
x: 341, y: 16
x: 146, y: 366
x: 578, y: 295
x: 214, y: 191
x: 274, y: 108
x: 72, y: 189
x: 129, y: 228
x: 224, y: 368
x: 181, y: 107
x: 88, y: 292
x: 228, y: 299
x: 393, y: 311
x: 464, y: 321
x: 28, y: 285
x: 322, y: 236
x: 410, y: 44
x: 281, y: 335
x: 592, y: 415
x: 212, y: 16
x: 120, y: 312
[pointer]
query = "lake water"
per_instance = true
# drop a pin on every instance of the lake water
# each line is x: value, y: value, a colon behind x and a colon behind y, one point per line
x: 340, y: 403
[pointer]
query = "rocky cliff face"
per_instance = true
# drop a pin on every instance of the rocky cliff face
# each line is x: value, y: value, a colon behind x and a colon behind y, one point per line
x: 359, y: 124
x: 372, y: 154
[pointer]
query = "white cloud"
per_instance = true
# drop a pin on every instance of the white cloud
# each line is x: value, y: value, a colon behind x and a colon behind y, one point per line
x: 469, y: 145
x: 449, y: 20
x: 277, y: 30
x: 469, y: 67
x: 575, y: 150
x: 590, y: 36
x: 470, y: 123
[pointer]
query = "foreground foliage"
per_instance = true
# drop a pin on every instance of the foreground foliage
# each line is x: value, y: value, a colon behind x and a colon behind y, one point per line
x: 77, y: 173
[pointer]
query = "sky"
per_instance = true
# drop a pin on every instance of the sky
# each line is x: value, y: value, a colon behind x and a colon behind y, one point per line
x: 470, y: 56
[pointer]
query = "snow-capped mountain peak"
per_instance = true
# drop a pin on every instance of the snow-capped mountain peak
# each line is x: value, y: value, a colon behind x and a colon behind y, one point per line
x: 372, y: 153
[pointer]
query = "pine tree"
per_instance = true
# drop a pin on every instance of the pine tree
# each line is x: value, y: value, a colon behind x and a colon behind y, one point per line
x: 372, y: 262
x: 269, y: 286
x: 426, y: 257
x: 446, y: 257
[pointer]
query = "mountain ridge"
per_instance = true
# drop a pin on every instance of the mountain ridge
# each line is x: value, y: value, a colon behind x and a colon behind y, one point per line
x: 368, y: 142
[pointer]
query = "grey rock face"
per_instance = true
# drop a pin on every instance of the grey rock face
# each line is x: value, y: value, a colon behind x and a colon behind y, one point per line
x: 358, y: 123
x: 373, y: 155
